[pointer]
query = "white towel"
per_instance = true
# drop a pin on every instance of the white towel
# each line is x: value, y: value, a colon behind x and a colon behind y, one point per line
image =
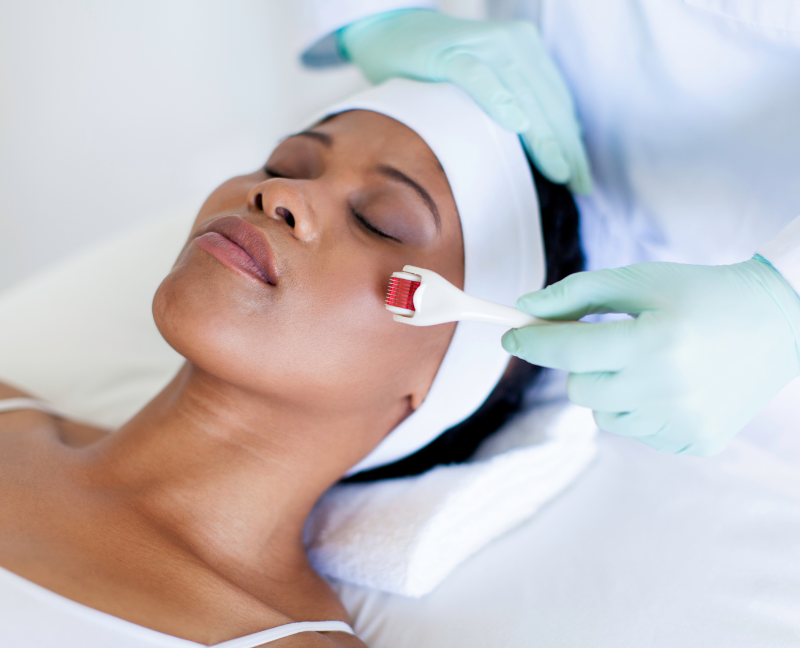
x: 406, y: 535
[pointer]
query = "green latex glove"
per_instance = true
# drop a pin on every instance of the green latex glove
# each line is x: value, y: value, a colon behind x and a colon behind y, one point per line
x: 503, y: 66
x: 708, y: 347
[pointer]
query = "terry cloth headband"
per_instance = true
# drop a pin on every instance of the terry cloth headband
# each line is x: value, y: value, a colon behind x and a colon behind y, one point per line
x: 494, y: 192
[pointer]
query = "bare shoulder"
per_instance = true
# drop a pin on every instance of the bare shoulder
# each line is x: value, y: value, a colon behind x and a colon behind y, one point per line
x: 70, y: 433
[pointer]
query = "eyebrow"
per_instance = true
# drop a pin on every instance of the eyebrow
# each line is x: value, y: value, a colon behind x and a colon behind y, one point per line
x: 395, y: 174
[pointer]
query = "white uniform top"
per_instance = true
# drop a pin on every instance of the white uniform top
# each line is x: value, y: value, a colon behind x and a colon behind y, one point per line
x: 691, y: 112
x: 34, y: 617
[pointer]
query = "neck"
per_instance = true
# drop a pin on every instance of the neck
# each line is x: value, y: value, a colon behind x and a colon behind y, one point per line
x: 231, y: 474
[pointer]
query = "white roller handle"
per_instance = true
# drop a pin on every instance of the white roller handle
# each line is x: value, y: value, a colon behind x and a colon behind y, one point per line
x: 480, y: 310
x: 437, y: 301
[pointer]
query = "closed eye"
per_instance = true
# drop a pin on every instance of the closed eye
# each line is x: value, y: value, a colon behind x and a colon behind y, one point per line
x: 370, y: 227
x: 274, y: 174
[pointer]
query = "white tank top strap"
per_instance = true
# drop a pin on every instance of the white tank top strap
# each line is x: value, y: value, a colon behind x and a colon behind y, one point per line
x: 273, y: 634
x: 15, y: 404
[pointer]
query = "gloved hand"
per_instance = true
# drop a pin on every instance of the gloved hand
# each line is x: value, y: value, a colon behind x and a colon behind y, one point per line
x: 708, y: 347
x: 503, y: 66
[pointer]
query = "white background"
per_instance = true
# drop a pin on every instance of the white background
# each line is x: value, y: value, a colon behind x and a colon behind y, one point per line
x: 113, y: 114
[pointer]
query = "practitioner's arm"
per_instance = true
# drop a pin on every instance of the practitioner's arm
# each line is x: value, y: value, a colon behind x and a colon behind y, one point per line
x: 709, y: 346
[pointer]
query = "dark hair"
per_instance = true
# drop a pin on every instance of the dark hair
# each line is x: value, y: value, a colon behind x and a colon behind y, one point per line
x: 563, y: 254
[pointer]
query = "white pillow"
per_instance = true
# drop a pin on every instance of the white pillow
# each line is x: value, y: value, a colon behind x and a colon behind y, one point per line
x: 82, y: 336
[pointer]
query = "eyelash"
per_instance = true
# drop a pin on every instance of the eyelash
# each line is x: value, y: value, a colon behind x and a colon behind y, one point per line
x: 274, y: 174
x: 361, y: 220
x: 369, y: 226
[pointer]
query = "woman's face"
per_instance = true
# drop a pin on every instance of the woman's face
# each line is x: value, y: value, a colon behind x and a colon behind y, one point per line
x: 280, y: 288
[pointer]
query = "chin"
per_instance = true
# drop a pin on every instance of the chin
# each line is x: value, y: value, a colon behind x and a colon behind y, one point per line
x: 235, y: 332
x: 204, y: 314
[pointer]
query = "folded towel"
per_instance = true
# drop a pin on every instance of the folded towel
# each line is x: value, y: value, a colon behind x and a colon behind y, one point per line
x: 406, y: 535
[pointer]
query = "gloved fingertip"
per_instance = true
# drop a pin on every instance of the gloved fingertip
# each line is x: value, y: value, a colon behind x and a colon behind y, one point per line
x: 581, y: 183
x: 529, y: 301
x: 522, y: 304
x: 552, y: 163
x: 510, y: 342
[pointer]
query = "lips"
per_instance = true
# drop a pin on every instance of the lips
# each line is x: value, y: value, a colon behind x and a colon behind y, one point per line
x: 239, y: 245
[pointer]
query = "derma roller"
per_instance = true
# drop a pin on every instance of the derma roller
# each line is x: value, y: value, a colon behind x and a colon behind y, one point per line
x: 421, y: 297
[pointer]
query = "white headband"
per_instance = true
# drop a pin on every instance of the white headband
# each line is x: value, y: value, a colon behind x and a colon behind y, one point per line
x: 503, y: 250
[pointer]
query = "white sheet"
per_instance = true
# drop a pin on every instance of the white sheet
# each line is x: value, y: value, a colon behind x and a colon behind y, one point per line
x: 645, y: 550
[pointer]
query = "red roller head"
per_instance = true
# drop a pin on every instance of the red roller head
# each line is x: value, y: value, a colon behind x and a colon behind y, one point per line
x: 401, y: 293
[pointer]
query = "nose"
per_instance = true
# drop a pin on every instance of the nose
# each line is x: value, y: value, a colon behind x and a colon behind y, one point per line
x: 282, y: 200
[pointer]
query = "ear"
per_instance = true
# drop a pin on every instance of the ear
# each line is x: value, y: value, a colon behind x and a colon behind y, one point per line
x: 415, y: 399
x: 426, y: 372
x: 420, y: 392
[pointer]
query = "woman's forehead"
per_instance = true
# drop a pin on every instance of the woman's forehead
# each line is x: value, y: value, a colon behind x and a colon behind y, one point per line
x: 379, y: 136
x: 371, y: 140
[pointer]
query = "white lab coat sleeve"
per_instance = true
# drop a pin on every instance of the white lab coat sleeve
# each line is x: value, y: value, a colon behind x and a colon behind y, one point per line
x: 783, y: 252
x: 320, y: 20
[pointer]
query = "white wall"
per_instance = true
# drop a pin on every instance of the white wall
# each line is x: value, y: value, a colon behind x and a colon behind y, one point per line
x: 116, y: 113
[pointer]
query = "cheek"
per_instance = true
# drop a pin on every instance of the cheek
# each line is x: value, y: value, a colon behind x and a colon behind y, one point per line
x: 350, y: 341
